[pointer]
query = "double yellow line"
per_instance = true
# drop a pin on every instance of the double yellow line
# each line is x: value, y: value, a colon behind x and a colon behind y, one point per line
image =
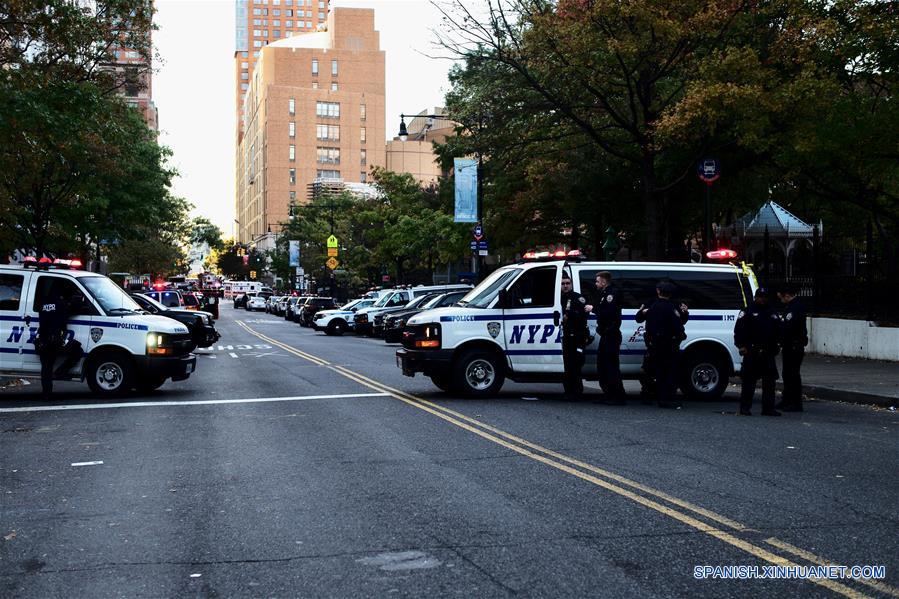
x: 653, y: 499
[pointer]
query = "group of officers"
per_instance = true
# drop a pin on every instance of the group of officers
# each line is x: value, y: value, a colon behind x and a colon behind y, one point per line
x: 760, y: 334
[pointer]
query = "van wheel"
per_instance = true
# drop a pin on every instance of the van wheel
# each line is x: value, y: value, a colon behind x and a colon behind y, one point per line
x: 442, y: 382
x: 705, y: 375
x: 110, y: 374
x: 478, y: 373
x: 337, y: 327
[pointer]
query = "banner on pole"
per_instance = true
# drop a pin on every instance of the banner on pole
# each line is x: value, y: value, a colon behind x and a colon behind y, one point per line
x: 294, y: 252
x: 466, y: 170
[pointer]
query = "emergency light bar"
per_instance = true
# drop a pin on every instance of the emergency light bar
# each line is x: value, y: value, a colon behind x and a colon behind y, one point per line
x: 46, y: 263
x: 560, y: 254
x: 723, y: 254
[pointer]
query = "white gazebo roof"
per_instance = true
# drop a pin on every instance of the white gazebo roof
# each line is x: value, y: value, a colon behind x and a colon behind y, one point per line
x: 779, y: 221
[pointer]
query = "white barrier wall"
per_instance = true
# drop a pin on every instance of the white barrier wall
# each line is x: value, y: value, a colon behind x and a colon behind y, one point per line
x: 852, y: 338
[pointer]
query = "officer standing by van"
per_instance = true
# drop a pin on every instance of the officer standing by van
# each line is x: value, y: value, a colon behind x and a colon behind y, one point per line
x: 664, y: 333
x: 53, y: 318
x: 574, y: 338
x: 647, y: 377
x: 756, y: 335
x: 607, y: 307
x: 793, y: 339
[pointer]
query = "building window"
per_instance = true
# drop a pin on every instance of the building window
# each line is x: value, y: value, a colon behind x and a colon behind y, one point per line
x: 292, y: 129
x: 245, y: 75
x: 321, y: 16
x: 321, y: 4
x: 323, y: 174
x: 245, y: 65
x: 315, y: 85
x: 292, y: 153
x: 315, y: 66
x: 276, y: 33
x: 362, y: 134
x: 291, y: 106
x: 257, y: 11
x: 327, y: 109
x: 362, y: 177
x: 362, y: 112
x: 328, y: 155
x: 327, y: 132
x: 245, y: 54
x: 334, y: 67
x: 293, y: 196
x: 288, y: 23
x: 333, y: 86
x: 244, y: 86
x: 257, y: 33
x: 363, y: 158
x: 293, y: 176
x: 288, y: 13
x: 257, y: 43
x: 276, y: 13
x: 276, y: 23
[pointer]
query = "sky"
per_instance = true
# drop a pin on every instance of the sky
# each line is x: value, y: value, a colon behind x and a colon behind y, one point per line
x: 193, y: 87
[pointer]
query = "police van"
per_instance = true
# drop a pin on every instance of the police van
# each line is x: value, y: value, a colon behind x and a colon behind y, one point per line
x: 122, y: 347
x: 508, y: 326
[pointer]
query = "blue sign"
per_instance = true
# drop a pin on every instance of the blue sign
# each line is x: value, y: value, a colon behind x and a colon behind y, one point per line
x: 466, y: 210
x: 709, y: 170
x: 479, y: 245
x: 293, y: 253
x: 478, y: 232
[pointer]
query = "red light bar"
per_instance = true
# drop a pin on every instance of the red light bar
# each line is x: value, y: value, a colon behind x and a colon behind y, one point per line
x: 559, y: 253
x: 721, y: 255
x: 45, y: 260
x: 530, y: 255
x: 76, y: 263
x: 575, y: 254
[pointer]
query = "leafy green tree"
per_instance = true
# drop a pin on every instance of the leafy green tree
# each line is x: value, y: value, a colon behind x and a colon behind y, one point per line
x: 204, y: 231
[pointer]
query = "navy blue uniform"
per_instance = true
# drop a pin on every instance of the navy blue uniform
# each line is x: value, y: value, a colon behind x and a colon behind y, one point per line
x: 756, y: 334
x: 664, y: 333
x: 793, y: 339
x: 52, y: 321
x: 574, y: 339
x: 647, y: 377
x: 607, y: 308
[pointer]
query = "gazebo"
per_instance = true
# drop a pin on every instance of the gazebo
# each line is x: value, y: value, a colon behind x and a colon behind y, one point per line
x: 774, y: 223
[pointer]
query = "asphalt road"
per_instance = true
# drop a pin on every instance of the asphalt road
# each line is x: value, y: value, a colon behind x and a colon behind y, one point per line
x: 292, y: 464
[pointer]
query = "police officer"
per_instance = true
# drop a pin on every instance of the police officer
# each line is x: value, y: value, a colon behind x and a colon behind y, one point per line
x: 793, y: 339
x: 52, y: 320
x: 756, y: 335
x: 664, y: 333
x: 607, y: 308
x: 647, y: 376
x: 574, y: 338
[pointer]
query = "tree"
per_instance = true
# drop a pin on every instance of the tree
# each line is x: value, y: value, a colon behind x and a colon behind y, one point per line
x: 203, y: 231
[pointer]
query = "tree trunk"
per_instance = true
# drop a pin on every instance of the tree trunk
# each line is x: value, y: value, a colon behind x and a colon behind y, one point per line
x: 654, y: 210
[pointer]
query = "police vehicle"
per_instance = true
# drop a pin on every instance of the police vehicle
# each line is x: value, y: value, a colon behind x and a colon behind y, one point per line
x: 365, y: 318
x: 508, y: 326
x: 122, y: 347
x: 337, y: 322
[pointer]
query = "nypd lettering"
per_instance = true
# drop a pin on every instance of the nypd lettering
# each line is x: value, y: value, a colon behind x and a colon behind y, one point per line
x: 530, y: 333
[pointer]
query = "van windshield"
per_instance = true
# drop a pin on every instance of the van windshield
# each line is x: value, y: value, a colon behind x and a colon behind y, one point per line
x: 110, y: 296
x: 487, y: 290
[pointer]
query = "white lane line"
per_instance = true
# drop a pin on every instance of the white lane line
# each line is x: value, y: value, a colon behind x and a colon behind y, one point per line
x: 87, y: 463
x: 232, y: 354
x: 205, y: 402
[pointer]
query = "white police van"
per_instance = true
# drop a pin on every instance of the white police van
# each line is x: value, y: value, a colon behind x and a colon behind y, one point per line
x: 122, y: 347
x: 508, y: 325
x: 337, y: 322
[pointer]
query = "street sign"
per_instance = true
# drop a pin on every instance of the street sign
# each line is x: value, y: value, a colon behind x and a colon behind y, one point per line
x: 480, y: 246
x: 478, y: 232
x: 332, y: 251
x: 332, y: 242
x: 709, y: 170
x: 332, y: 263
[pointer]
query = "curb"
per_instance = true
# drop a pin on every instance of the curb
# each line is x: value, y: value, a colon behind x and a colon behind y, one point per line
x: 831, y: 394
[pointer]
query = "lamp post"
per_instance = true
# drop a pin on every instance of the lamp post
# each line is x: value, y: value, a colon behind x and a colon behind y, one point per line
x: 429, y: 123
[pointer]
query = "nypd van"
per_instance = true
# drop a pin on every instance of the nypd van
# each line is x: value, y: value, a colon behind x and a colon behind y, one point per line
x: 508, y: 326
x: 121, y: 346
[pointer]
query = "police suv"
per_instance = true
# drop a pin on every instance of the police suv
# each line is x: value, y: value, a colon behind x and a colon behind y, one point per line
x: 339, y: 321
x: 508, y: 326
x: 122, y: 347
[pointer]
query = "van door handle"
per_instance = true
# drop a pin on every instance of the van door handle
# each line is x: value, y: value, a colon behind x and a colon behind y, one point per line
x: 556, y: 317
x: 28, y: 321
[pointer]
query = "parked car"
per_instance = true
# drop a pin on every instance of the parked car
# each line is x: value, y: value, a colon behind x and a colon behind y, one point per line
x: 191, y: 301
x: 255, y: 301
x: 339, y: 321
x: 281, y: 306
x: 168, y: 297
x: 311, y: 306
x: 200, y: 325
x: 396, y: 322
x: 364, y: 319
x: 292, y: 310
x: 378, y: 319
x: 240, y: 300
x: 270, y: 303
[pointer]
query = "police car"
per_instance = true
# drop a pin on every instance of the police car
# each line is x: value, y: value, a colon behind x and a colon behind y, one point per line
x: 337, y: 322
x: 508, y: 326
x: 122, y: 347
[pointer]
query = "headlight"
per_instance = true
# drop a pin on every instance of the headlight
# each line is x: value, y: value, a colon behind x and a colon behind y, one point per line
x: 156, y: 344
x: 399, y: 322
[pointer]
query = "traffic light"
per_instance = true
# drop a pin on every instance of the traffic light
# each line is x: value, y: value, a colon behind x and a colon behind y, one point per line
x: 252, y: 274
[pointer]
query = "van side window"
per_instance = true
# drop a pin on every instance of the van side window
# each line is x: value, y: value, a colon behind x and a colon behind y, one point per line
x: 67, y: 288
x: 536, y: 288
x: 709, y: 290
x: 10, y: 291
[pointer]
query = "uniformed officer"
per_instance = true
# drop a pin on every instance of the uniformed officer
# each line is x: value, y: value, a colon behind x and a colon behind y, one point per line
x: 756, y: 335
x: 607, y: 308
x: 647, y: 376
x: 793, y: 339
x: 664, y: 333
x: 574, y: 338
x: 52, y: 320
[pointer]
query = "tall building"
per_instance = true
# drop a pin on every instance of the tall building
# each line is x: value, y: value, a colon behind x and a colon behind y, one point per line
x: 415, y: 155
x: 313, y: 110
x: 261, y: 22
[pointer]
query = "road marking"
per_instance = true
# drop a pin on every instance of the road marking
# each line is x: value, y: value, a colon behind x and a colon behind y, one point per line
x: 232, y: 354
x: 203, y: 402
x: 528, y: 449
x: 87, y: 463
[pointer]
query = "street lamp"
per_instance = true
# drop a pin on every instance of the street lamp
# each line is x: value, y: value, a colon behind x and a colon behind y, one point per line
x: 429, y: 122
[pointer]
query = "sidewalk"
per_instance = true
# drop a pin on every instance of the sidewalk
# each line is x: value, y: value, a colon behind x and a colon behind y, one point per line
x: 851, y: 379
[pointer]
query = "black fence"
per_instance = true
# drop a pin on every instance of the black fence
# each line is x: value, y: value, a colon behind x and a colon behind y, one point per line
x: 840, y: 276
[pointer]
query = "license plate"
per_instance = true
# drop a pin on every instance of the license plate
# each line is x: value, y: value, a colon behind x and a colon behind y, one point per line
x: 189, y: 368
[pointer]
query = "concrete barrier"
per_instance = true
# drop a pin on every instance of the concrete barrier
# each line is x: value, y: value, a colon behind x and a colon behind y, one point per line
x: 853, y: 338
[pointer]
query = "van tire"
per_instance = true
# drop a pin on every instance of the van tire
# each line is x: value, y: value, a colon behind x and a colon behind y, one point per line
x: 478, y: 373
x: 337, y: 327
x: 705, y: 374
x: 110, y: 374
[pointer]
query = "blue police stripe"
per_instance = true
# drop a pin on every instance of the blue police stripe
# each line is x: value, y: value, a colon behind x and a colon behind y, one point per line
x: 110, y: 325
x: 558, y: 352
x: 478, y: 317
